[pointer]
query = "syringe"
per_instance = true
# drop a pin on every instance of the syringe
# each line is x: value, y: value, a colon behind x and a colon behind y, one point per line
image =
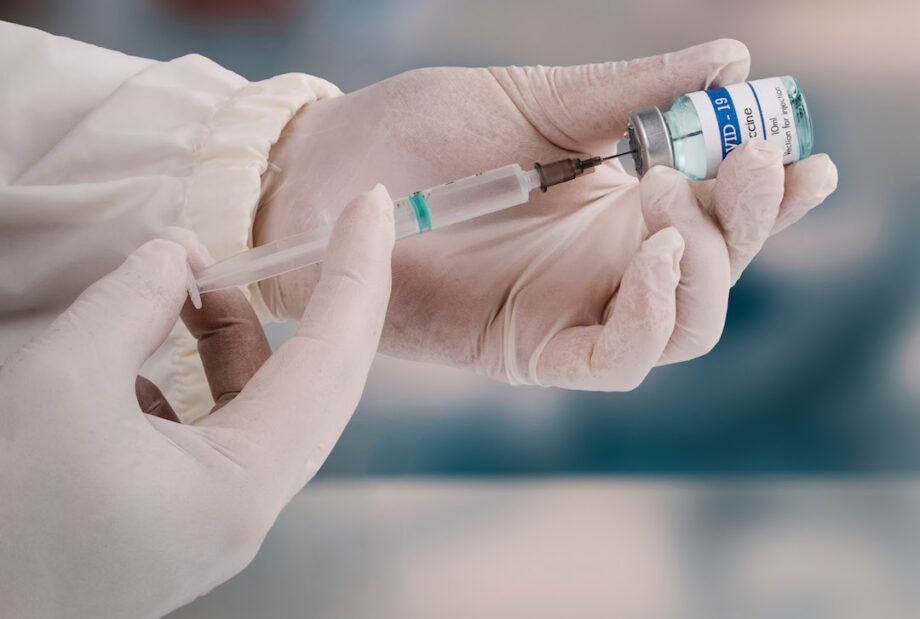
x: 443, y: 205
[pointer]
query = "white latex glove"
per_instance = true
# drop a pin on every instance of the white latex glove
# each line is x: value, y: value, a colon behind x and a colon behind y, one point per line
x: 106, y: 511
x: 587, y: 286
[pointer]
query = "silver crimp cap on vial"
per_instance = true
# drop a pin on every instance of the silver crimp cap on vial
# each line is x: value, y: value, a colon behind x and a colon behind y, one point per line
x: 649, y: 138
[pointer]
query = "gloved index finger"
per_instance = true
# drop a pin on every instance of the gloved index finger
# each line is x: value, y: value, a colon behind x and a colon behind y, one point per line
x: 114, y: 326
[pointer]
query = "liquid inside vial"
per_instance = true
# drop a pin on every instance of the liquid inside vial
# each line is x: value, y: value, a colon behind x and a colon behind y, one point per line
x: 703, y: 127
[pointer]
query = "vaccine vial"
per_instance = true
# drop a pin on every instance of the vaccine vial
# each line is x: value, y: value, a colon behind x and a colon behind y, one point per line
x: 703, y: 127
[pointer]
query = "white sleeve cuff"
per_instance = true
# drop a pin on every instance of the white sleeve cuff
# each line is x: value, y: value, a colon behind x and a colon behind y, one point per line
x: 222, y: 196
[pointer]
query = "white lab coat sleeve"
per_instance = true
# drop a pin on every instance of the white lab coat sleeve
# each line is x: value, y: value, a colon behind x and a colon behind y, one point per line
x: 100, y: 151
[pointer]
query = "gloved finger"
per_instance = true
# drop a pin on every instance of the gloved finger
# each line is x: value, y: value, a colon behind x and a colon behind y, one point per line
x: 578, y: 106
x: 746, y: 198
x: 808, y: 183
x: 118, y: 322
x: 702, y: 295
x: 617, y: 355
x: 231, y: 342
x: 152, y: 401
x: 289, y: 416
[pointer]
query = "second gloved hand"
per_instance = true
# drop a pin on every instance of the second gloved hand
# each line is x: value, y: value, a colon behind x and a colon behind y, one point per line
x: 588, y: 286
x: 108, y: 508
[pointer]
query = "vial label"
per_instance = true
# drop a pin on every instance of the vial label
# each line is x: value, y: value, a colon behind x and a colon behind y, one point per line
x: 735, y: 114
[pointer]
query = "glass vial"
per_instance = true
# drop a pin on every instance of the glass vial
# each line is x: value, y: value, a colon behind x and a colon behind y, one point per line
x: 702, y: 127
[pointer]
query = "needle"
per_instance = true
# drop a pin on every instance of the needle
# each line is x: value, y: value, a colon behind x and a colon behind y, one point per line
x: 629, y: 152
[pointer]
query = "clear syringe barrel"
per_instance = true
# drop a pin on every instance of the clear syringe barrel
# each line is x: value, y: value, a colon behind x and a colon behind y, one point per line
x: 464, y: 199
x: 269, y: 260
x: 450, y: 203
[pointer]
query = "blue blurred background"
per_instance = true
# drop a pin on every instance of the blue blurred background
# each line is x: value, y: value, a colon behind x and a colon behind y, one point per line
x: 816, y: 374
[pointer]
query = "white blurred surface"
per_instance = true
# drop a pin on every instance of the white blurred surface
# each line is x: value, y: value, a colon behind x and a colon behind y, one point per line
x: 586, y: 548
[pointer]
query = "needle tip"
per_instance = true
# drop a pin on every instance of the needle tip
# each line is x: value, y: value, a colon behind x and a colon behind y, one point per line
x: 628, y: 152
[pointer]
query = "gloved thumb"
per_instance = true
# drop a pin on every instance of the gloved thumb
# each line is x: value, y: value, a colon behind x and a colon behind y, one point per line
x: 579, y: 107
x: 120, y: 320
x: 291, y: 413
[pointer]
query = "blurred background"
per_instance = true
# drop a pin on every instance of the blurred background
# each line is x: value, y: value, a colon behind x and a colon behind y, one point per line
x: 774, y: 477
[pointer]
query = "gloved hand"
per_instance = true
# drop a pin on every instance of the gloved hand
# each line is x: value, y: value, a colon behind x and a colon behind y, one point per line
x: 587, y: 286
x: 109, y: 512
